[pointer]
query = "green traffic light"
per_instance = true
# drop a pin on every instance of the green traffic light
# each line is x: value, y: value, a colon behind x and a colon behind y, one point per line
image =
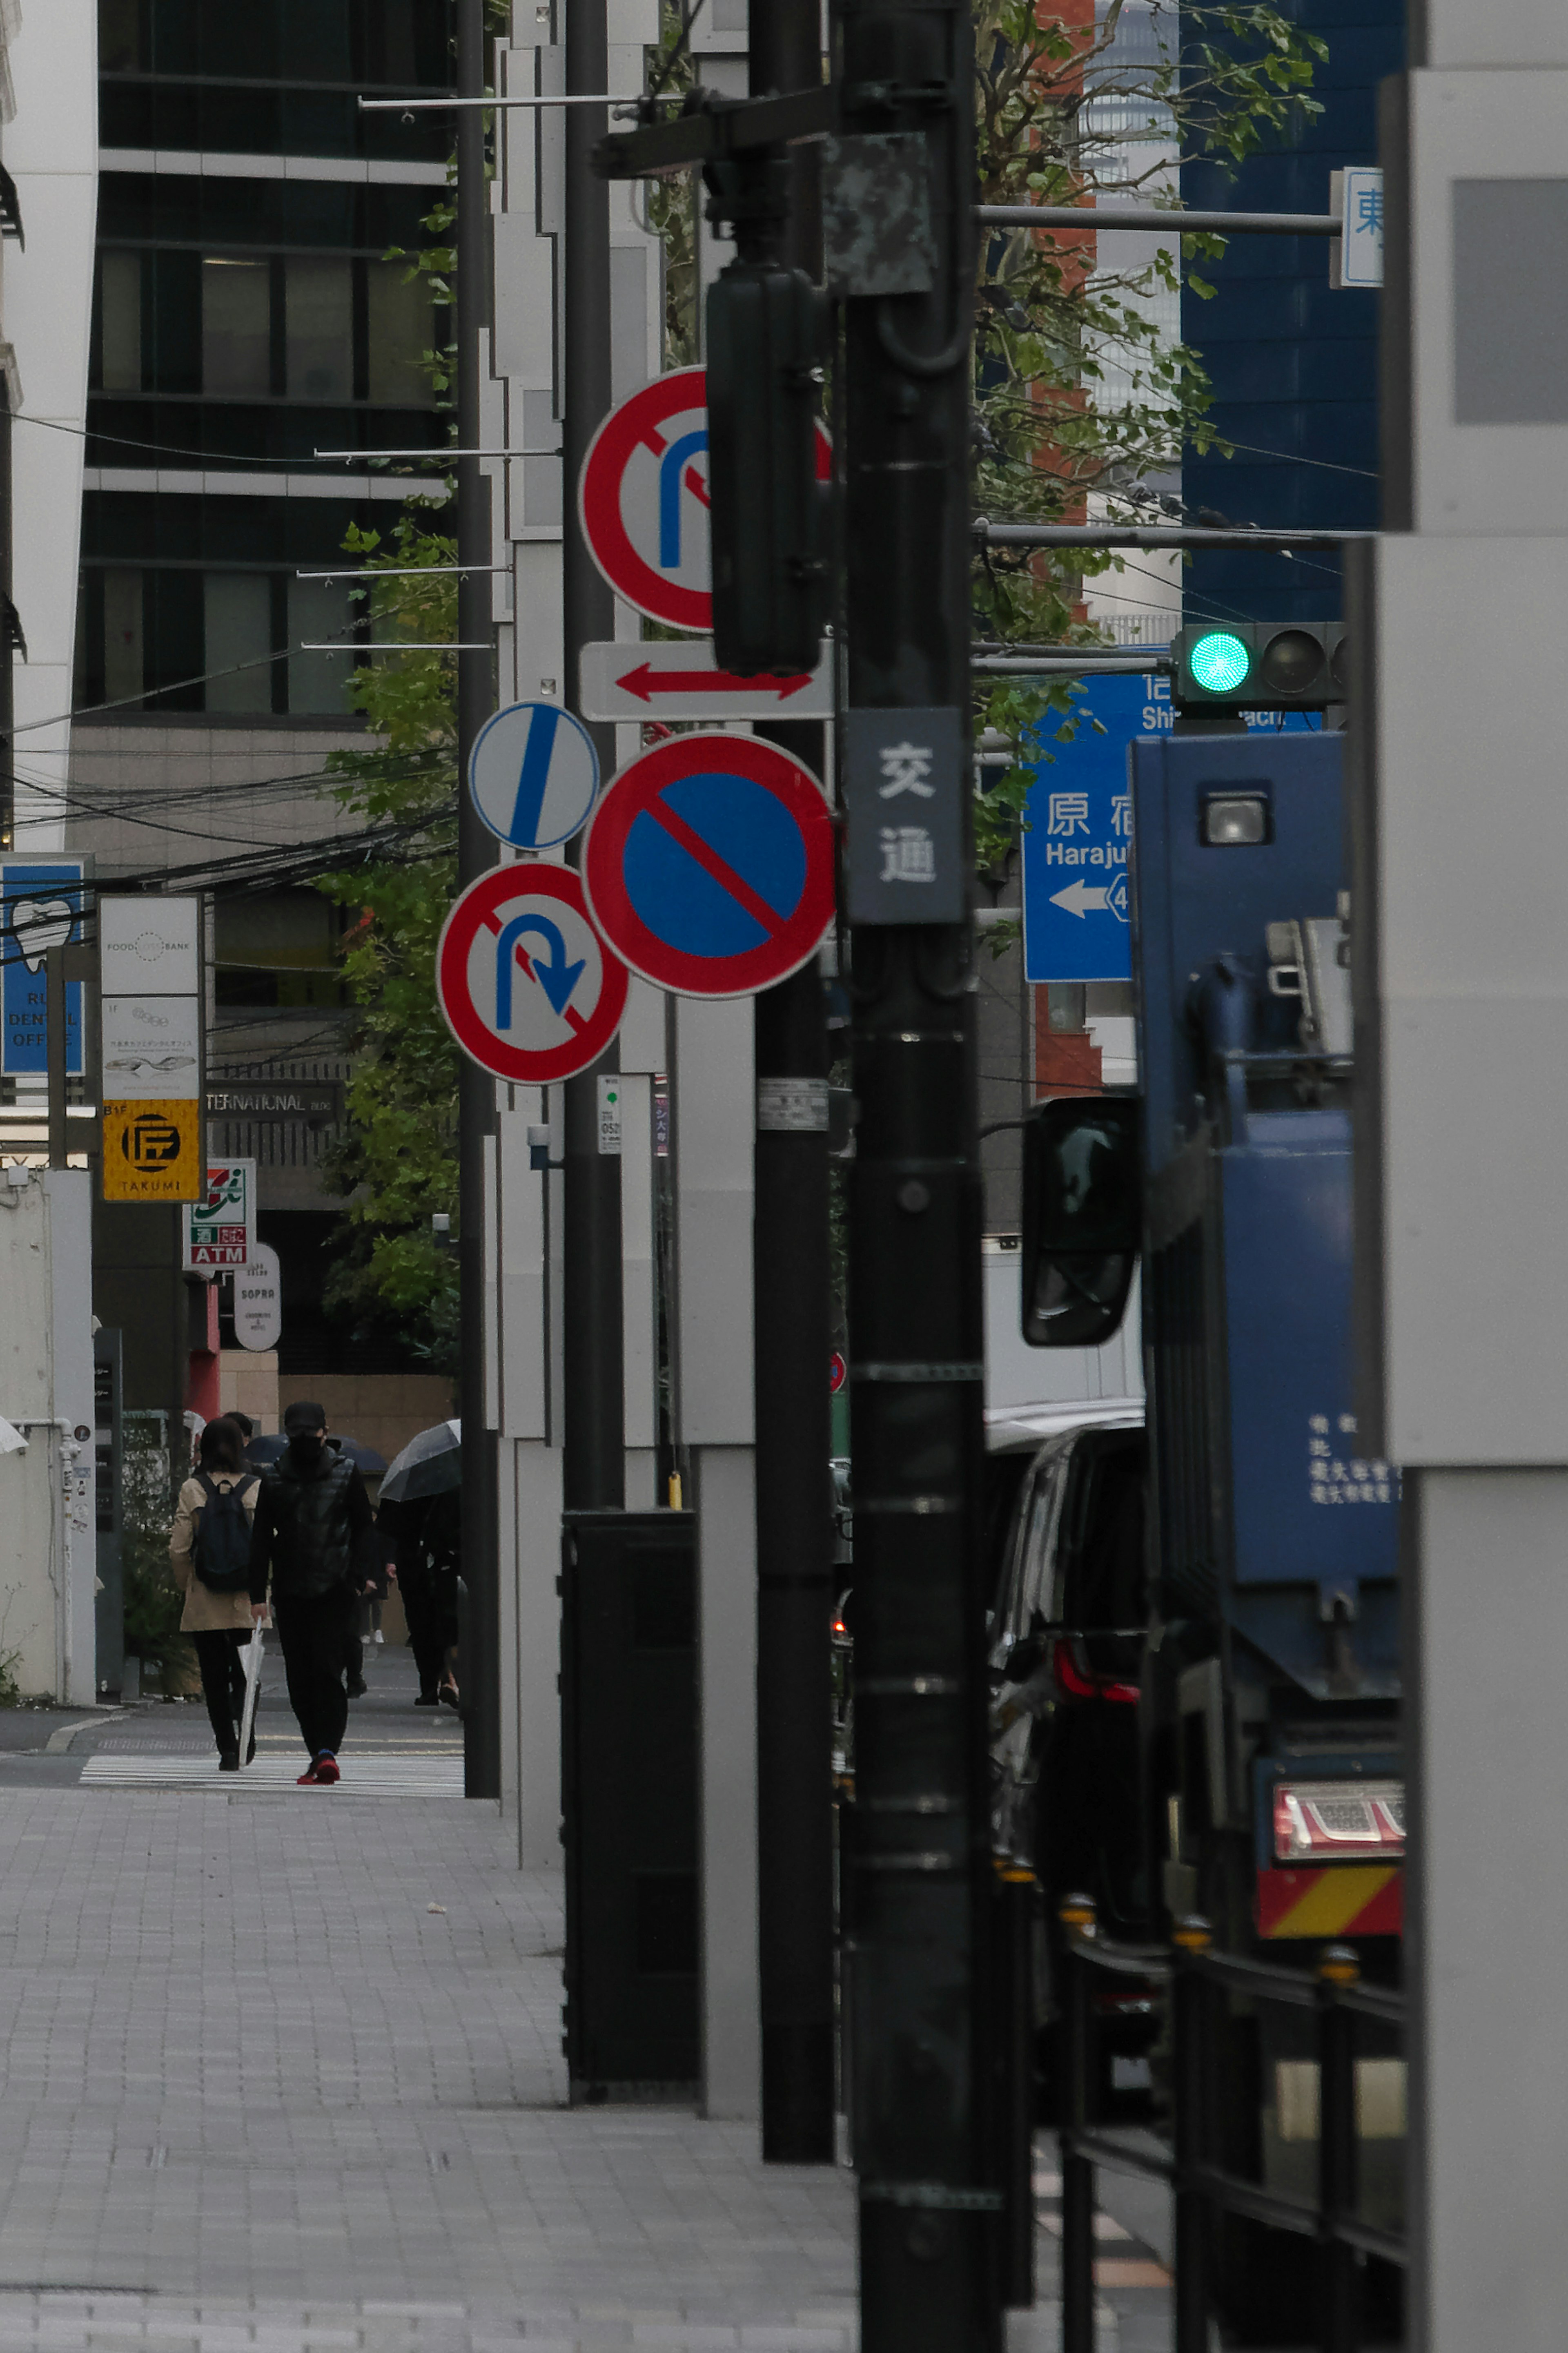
x: 1219, y: 662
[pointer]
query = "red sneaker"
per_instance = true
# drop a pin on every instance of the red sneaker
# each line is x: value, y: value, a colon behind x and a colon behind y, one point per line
x: 326, y: 1769
x: 307, y: 1778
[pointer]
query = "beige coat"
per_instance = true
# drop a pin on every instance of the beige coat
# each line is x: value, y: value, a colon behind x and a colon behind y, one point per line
x: 205, y: 1612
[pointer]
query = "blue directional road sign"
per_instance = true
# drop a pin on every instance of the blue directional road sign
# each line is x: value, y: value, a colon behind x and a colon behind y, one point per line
x: 533, y: 774
x: 1078, y: 828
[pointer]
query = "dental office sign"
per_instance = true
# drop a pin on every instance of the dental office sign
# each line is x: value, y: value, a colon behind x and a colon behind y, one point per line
x: 643, y: 498
x: 40, y: 908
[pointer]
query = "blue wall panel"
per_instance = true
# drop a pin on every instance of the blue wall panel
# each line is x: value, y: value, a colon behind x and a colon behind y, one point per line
x: 1293, y: 362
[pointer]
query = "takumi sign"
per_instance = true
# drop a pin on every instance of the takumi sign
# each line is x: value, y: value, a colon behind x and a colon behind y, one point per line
x: 528, y: 988
x: 678, y: 679
x: 709, y: 865
x: 643, y: 498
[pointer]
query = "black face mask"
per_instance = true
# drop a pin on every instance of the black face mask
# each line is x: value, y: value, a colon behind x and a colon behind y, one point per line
x: 307, y: 1446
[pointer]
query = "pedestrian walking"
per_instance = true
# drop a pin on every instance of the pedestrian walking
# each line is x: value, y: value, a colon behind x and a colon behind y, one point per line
x: 314, y: 1539
x: 427, y: 1532
x: 209, y: 1545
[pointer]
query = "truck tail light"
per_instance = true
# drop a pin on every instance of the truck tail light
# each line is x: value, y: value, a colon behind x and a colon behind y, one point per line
x: 1328, y: 1822
x: 1075, y: 1681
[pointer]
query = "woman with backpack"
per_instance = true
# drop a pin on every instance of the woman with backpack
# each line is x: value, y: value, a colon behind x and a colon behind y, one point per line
x: 210, y: 1547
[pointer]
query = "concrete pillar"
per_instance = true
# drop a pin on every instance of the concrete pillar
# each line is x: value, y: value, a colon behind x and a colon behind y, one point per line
x: 713, y: 1129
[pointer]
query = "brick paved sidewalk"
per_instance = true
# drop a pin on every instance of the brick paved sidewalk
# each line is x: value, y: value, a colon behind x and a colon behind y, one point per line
x: 257, y: 2093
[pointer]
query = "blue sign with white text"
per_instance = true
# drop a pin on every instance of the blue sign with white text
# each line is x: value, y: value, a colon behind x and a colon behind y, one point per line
x: 1078, y: 828
x: 40, y: 908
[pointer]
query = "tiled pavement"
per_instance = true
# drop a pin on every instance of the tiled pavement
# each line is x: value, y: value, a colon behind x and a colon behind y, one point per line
x: 277, y: 2073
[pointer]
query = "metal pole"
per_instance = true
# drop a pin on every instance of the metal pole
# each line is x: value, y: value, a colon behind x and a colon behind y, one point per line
x: 594, y: 1470
x: 1016, y: 1897
x: 1190, y: 2065
x: 480, y: 1658
x: 929, y: 2203
x: 1339, y: 2327
x: 1077, y: 1917
x: 793, y: 1335
x: 57, y: 1050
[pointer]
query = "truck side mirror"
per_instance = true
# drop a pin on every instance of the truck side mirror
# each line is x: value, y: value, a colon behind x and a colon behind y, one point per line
x: 1082, y: 1218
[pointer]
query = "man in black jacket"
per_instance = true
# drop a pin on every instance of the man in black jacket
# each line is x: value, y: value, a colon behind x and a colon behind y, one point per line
x: 315, y: 1533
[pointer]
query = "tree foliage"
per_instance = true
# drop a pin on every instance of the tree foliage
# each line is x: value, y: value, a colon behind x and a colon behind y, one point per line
x: 398, y: 1158
x: 1079, y: 390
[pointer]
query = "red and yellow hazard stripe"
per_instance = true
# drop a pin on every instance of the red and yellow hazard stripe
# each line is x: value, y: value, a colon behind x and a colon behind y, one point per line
x: 1336, y: 1899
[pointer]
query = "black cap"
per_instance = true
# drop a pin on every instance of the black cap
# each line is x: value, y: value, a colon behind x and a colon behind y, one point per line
x: 300, y: 1416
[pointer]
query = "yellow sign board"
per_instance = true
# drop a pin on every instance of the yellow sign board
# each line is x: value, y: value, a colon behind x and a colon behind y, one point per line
x: 152, y: 1152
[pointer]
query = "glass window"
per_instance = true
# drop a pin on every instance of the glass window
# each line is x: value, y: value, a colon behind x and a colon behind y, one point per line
x: 400, y: 330
x: 236, y: 327
x: 320, y: 329
x: 123, y: 667
x: 120, y: 319
x: 238, y: 615
x: 319, y: 610
x: 119, y: 35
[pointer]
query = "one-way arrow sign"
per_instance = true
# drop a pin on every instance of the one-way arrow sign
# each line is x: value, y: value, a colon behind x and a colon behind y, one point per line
x: 678, y: 679
x: 1079, y: 898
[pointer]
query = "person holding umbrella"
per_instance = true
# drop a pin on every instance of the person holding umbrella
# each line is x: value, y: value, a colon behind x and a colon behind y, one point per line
x: 418, y: 1508
x: 314, y: 1539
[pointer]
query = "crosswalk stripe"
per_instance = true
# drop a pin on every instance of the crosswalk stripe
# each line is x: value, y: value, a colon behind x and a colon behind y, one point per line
x: 379, y: 1776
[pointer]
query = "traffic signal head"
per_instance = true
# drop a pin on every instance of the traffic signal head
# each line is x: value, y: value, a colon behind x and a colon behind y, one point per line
x: 767, y: 522
x: 1260, y: 666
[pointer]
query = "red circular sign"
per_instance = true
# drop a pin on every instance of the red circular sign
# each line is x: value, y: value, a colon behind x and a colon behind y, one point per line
x: 709, y: 865
x: 643, y: 498
x: 837, y: 1372
x: 528, y: 988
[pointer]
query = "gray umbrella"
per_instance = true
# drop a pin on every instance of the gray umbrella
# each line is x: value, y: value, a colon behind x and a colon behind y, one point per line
x: 430, y: 1464
x: 365, y: 1460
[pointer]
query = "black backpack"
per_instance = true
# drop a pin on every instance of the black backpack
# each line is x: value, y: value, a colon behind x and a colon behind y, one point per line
x: 222, y: 1548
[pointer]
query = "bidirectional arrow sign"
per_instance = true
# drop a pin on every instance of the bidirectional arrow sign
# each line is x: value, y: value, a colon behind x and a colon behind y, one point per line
x: 709, y: 865
x: 680, y: 679
x: 533, y: 775
x: 528, y: 988
x: 643, y: 498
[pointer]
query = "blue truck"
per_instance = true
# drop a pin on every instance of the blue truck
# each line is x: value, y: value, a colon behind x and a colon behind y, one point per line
x: 1195, y: 1643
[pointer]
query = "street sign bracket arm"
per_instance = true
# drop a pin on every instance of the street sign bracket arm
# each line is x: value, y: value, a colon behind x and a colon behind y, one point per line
x: 714, y: 128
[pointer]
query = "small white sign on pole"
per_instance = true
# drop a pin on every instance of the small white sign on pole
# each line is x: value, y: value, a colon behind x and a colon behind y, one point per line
x: 1356, y: 254
x: 677, y: 677
x: 258, y: 1299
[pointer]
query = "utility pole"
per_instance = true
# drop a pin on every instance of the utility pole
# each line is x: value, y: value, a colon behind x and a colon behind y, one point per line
x: 480, y: 1663
x: 1460, y: 969
x: 793, y: 1336
x: 594, y: 1465
x: 920, y: 1850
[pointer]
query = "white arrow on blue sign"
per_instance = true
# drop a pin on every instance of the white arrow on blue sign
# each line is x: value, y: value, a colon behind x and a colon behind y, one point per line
x: 1078, y: 829
x: 534, y: 774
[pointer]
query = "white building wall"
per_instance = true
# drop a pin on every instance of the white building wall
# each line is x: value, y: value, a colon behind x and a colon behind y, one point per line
x: 52, y: 152
x: 47, y: 1539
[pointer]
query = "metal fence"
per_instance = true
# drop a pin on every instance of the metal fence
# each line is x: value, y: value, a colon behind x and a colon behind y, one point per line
x: 1196, y: 1976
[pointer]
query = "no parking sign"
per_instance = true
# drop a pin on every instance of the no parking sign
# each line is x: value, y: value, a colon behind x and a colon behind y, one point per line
x: 709, y: 865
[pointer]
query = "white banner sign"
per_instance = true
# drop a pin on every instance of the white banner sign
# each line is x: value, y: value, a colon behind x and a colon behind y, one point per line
x: 152, y: 1049
x: 258, y: 1300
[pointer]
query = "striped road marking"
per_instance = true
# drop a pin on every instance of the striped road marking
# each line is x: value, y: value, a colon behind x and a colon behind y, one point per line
x: 364, y: 1777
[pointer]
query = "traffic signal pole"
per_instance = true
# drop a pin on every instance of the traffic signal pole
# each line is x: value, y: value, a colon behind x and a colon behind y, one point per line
x: 792, y: 1333
x: 480, y: 1664
x: 920, y: 1850
x: 593, y: 1464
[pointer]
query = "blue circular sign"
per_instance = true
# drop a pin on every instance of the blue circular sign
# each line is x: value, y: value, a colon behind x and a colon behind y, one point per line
x: 709, y: 865
x: 534, y: 774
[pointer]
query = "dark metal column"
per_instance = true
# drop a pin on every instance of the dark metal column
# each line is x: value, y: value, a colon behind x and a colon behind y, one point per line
x: 793, y: 1323
x: 481, y: 1660
x: 929, y: 2201
x: 594, y: 1472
